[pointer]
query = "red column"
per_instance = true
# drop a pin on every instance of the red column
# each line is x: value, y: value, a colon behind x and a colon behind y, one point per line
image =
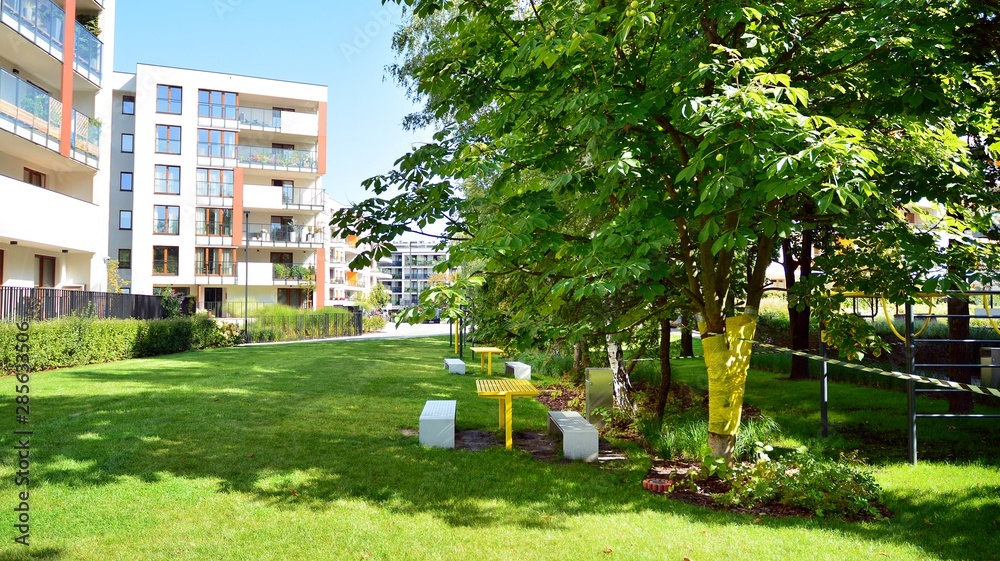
x: 319, y: 296
x: 69, y: 55
x: 321, y: 151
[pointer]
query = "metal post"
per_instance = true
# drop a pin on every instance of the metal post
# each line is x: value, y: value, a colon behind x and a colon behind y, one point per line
x: 911, y: 388
x: 824, y: 389
x: 246, y: 277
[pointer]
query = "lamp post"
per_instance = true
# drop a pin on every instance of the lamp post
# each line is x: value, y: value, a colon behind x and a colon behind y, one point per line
x: 246, y: 277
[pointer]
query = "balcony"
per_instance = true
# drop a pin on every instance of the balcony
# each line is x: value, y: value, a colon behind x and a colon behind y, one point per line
x: 42, y: 22
x: 282, y: 235
x: 210, y: 268
x: 30, y: 113
x: 57, y: 222
x: 292, y: 274
x: 278, y: 197
x: 278, y: 159
x: 214, y: 194
x: 276, y: 120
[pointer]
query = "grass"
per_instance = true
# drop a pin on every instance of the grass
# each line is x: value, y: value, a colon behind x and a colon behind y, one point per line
x: 296, y: 452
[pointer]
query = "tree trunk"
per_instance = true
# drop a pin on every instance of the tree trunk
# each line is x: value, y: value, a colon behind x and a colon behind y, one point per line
x: 687, y: 337
x: 622, y: 383
x: 727, y: 358
x: 578, y: 357
x: 959, y: 353
x: 798, y: 320
x: 665, y: 374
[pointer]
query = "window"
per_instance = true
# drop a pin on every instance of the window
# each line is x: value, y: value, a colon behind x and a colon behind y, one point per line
x: 35, y: 178
x: 215, y: 221
x: 126, y: 290
x: 168, y: 99
x: 215, y: 182
x: 125, y: 181
x: 45, y: 271
x: 128, y: 105
x: 165, y: 260
x: 127, y: 140
x: 166, y: 219
x: 168, y: 139
x: 167, y: 180
x: 216, y: 105
x: 124, y: 258
x: 124, y: 219
x: 290, y: 297
x: 215, y: 261
x: 216, y: 144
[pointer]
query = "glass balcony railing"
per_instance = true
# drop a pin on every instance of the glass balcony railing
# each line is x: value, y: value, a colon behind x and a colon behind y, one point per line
x: 204, y: 228
x: 214, y: 189
x: 214, y: 268
x: 88, y: 54
x: 86, y: 138
x: 281, y: 234
x: 299, y: 197
x: 276, y: 158
x: 43, y: 23
x: 164, y: 226
x: 29, y: 111
x: 259, y: 118
x: 294, y: 272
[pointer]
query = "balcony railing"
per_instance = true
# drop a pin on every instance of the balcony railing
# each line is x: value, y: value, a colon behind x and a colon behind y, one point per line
x: 212, y: 189
x: 214, y: 268
x: 301, y: 197
x: 293, y: 272
x: 260, y: 157
x: 86, y: 139
x: 165, y: 226
x: 29, y: 112
x: 204, y: 228
x: 88, y: 54
x: 43, y: 23
x: 281, y: 234
x: 165, y: 267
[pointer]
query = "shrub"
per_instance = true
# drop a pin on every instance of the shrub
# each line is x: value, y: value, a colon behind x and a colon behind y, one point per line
x: 825, y: 488
x: 373, y: 324
x: 75, y: 341
x: 686, y: 437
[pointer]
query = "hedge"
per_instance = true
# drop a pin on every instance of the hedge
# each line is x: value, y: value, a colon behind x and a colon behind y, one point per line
x: 77, y: 341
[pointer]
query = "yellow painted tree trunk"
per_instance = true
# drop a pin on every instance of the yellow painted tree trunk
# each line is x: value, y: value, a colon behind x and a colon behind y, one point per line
x: 727, y: 357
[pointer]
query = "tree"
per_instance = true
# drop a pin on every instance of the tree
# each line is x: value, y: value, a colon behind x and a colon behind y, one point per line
x: 677, y: 135
x: 378, y: 297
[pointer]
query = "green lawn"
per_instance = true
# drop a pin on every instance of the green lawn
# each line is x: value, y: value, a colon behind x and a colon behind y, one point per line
x: 296, y: 452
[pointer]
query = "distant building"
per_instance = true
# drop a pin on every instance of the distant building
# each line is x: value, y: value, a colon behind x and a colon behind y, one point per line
x: 408, y: 271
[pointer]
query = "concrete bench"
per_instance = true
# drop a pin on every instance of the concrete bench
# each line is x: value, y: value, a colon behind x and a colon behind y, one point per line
x: 518, y: 370
x: 454, y: 365
x: 437, y: 424
x: 579, y: 436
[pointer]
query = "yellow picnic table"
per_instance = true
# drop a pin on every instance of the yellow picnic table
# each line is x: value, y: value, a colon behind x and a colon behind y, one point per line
x: 487, y: 354
x: 505, y: 390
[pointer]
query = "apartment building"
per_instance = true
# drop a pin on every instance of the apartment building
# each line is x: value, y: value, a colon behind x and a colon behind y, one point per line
x: 344, y: 286
x: 54, y: 150
x: 408, y: 271
x: 216, y: 187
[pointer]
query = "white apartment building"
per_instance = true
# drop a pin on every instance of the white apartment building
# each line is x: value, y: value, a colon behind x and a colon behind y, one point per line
x: 55, y: 61
x: 344, y: 286
x: 408, y: 271
x: 216, y: 187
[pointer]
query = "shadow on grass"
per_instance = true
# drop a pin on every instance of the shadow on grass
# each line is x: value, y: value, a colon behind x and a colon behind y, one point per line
x: 301, y: 426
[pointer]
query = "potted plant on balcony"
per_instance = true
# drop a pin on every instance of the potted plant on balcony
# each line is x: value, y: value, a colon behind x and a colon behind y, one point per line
x: 280, y: 272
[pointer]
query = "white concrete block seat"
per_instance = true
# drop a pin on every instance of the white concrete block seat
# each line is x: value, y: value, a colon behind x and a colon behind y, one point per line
x: 519, y: 370
x: 454, y: 365
x: 579, y: 436
x: 437, y: 424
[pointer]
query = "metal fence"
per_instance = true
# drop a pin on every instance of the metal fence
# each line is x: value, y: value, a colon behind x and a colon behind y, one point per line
x: 37, y: 304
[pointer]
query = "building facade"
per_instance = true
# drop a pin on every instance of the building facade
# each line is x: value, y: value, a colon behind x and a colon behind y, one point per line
x: 407, y: 272
x: 55, y: 116
x: 346, y: 287
x: 216, y: 187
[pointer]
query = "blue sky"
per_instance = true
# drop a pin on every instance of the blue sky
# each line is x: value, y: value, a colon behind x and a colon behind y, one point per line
x: 343, y: 44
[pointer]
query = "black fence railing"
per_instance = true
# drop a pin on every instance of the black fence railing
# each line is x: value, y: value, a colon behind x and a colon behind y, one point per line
x: 37, y: 304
